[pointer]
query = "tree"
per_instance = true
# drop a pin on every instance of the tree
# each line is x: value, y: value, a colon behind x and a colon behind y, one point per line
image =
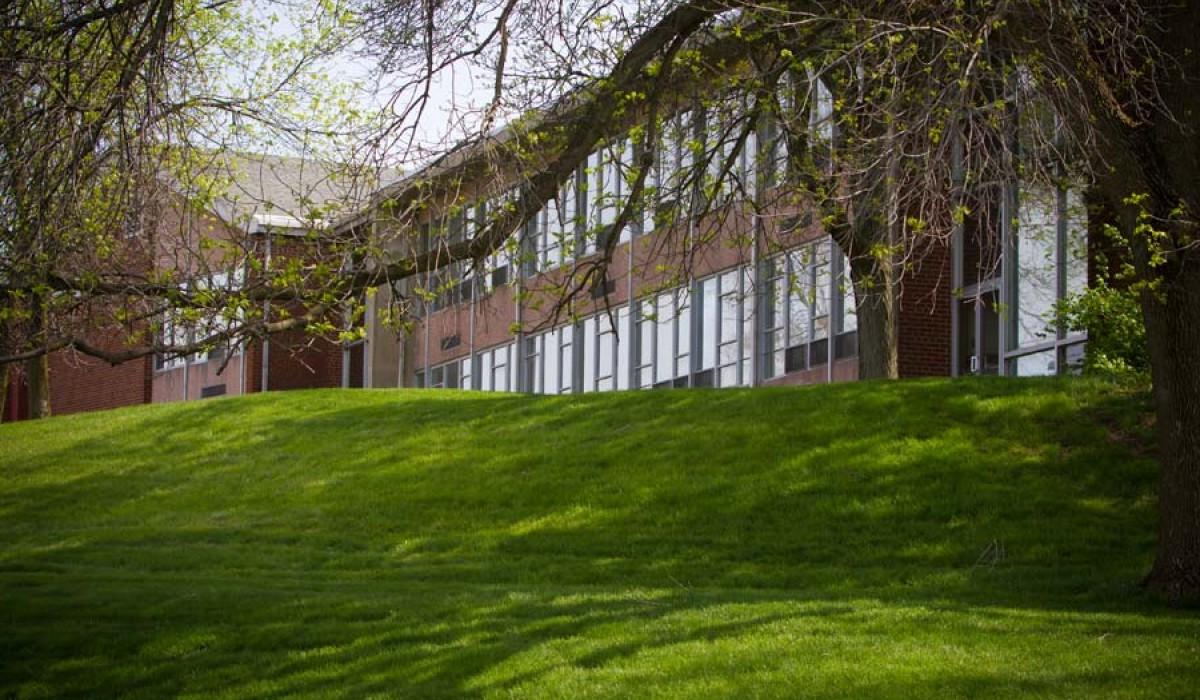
x: 926, y: 135
x: 120, y: 130
x: 936, y: 107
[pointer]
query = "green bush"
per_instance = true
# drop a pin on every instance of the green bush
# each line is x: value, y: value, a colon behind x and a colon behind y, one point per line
x: 1112, y: 317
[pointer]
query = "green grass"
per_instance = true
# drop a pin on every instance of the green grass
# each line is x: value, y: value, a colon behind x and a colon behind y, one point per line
x: 909, y: 539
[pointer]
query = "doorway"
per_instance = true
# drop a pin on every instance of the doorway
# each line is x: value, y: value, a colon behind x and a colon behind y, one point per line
x: 979, y: 333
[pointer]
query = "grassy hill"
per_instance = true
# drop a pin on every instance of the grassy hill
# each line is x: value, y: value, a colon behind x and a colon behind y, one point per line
x: 912, y: 539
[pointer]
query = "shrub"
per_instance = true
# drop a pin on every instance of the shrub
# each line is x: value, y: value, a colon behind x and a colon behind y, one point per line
x: 1112, y: 317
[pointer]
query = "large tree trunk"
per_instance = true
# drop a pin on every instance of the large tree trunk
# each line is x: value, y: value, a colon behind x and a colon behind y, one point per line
x: 1173, y: 336
x: 1159, y: 160
x: 876, y: 297
x: 37, y: 373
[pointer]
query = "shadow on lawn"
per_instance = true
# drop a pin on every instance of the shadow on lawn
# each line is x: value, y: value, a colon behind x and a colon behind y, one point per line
x: 451, y: 543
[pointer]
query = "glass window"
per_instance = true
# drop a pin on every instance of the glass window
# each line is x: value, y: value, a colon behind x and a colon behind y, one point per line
x: 683, y: 334
x: 566, y: 359
x: 685, y: 158
x: 550, y: 355
x: 747, y: 170
x: 777, y: 131
x: 465, y: 373
x: 821, y: 112
x: 775, y: 314
x: 729, y: 342
x: 800, y: 281
x: 708, y: 317
x: 849, y: 303
x: 644, y: 338
x: 1036, y: 268
x: 485, y: 369
x: 533, y: 364
x: 503, y: 359
x: 606, y: 353
x: 747, y: 310
x: 822, y: 284
x: 624, y: 335
x: 717, y: 147
x: 1076, y: 224
x: 589, y: 340
x: 1036, y: 365
x: 650, y: 193
x: 664, y: 357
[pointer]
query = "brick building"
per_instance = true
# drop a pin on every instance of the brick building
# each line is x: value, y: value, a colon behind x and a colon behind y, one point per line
x: 261, y: 210
x: 767, y: 300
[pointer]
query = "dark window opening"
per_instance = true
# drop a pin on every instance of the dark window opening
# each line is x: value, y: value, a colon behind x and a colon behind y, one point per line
x: 846, y: 345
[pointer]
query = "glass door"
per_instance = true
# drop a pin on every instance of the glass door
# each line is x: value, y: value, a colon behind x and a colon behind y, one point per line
x: 979, y: 334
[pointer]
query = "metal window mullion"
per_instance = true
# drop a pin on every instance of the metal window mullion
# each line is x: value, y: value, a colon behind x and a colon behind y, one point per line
x: 695, y: 330
x: 739, y: 331
x: 832, y: 319
x: 594, y: 341
x: 786, y: 321
x: 1009, y: 280
x: 675, y: 335
x: 717, y: 332
x: 1060, y: 331
x: 810, y: 300
x: 578, y: 353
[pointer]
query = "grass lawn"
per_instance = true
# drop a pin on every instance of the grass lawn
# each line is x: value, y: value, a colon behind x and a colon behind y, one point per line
x: 909, y: 539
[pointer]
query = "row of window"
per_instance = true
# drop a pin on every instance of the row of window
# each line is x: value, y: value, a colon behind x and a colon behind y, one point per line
x: 739, y: 158
x: 703, y: 334
x: 179, y: 328
x: 1050, y: 264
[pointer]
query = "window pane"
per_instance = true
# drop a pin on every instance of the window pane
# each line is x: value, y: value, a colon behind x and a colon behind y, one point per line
x: 821, y: 114
x: 1037, y: 271
x: 708, y: 322
x: 1076, y: 262
x: 485, y: 369
x: 747, y: 321
x: 665, y: 355
x: 550, y: 362
x: 1036, y: 365
x: 849, y: 304
x: 623, y: 340
x: 465, y: 371
x: 821, y: 291
x: 683, y: 335
x: 500, y: 363
x: 589, y: 354
x: 645, y: 343
x: 566, y: 365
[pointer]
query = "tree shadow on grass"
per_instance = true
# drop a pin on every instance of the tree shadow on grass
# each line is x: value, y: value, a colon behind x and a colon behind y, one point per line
x: 311, y: 538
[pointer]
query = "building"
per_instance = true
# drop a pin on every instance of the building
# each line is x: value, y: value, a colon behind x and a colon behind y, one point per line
x: 767, y: 302
x: 263, y: 209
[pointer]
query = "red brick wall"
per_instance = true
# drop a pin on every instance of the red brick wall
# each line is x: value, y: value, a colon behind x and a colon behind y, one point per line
x: 15, y: 403
x: 296, y: 362
x: 924, y: 330
x: 81, y: 383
